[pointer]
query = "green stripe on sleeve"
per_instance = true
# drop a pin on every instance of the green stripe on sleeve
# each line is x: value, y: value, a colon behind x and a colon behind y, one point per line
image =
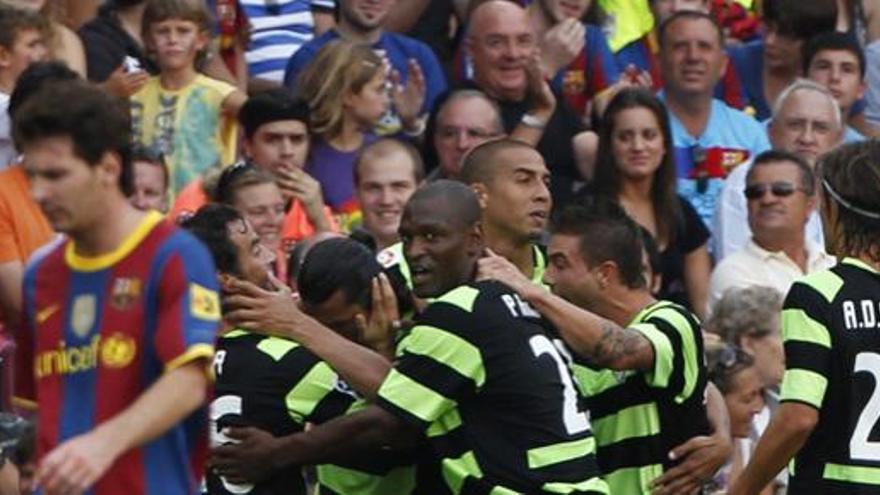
x: 854, y: 474
x: 413, y: 397
x: 638, y: 421
x: 309, y: 391
x: 455, y: 471
x: 444, y: 424
x: 826, y: 283
x: 692, y: 361
x: 449, y: 349
x: 633, y: 480
x: 560, y: 452
x: 664, y: 355
x: 798, y: 325
x: 596, y: 485
x: 803, y: 386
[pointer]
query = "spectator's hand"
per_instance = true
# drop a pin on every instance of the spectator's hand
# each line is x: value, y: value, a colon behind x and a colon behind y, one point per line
x: 701, y: 456
x: 250, y: 459
x: 543, y: 102
x: 261, y: 311
x: 124, y: 84
x: 75, y: 465
x: 409, y: 98
x: 561, y: 44
x: 632, y: 77
x: 296, y: 183
x: 494, y: 267
x: 379, y: 330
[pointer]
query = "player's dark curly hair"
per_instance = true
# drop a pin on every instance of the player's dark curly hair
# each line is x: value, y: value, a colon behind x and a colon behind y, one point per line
x: 210, y: 225
x: 850, y: 180
x: 96, y: 123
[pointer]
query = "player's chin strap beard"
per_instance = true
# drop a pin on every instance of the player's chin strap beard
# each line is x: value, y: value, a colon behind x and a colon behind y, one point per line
x: 873, y: 215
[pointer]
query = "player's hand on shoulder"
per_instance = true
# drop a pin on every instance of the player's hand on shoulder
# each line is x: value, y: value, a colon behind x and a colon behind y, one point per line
x: 494, y: 267
x: 250, y: 458
x: 75, y: 465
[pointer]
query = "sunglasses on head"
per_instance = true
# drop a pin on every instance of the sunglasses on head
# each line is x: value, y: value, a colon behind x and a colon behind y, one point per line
x: 778, y: 189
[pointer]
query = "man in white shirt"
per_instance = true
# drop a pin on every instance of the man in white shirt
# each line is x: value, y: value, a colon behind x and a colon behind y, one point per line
x: 807, y: 122
x: 780, y: 193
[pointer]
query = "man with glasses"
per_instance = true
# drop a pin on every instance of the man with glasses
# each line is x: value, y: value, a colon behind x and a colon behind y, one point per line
x: 780, y: 192
x: 806, y: 121
x: 467, y: 118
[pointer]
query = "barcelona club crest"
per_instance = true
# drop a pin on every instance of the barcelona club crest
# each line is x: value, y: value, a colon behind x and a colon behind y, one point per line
x: 82, y: 316
x: 124, y: 293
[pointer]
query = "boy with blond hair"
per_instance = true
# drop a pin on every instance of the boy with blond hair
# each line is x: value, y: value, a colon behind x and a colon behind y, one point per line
x: 186, y: 115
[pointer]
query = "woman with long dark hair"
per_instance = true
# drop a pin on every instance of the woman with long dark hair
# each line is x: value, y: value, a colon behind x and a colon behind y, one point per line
x: 636, y: 168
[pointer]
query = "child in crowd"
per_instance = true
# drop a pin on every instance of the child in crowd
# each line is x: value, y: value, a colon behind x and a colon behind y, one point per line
x: 187, y: 116
x: 345, y: 88
x: 22, y: 42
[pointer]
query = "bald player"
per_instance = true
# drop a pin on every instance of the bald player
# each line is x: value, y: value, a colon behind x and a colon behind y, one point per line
x: 511, y: 181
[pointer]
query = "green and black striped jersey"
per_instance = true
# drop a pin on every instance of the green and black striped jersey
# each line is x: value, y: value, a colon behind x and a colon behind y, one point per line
x: 481, y: 376
x: 374, y: 473
x: 278, y: 386
x: 831, y: 331
x: 639, y: 416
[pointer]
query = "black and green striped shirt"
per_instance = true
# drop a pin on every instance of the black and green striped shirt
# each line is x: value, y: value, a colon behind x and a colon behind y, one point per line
x: 481, y: 376
x: 278, y: 386
x: 639, y: 416
x: 831, y: 331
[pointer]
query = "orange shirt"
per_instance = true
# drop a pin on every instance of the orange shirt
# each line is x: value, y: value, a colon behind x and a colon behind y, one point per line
x: 23, y: 227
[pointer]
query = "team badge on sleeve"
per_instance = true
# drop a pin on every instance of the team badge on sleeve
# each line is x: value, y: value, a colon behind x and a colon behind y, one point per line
x: 204, y: 303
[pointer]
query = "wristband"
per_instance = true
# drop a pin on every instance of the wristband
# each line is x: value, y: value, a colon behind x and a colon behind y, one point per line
x: 533, y: 121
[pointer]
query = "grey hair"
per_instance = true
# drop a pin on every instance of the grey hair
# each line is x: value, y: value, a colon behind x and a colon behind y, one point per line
x: 745, y: 311
x: 460, y: 94
x: 800, y: 84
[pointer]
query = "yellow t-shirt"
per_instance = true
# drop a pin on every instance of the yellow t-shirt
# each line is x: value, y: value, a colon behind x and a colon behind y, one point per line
x: 187, y: 126
x: 629, y: 20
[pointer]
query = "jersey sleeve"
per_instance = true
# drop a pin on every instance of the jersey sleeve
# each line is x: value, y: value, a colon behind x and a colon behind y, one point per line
x: 435, y: 369
x: 319, y: 396
x: 678, y: 354
x: 9, y: 250
x: 187, y: 302
x: 807, y: 344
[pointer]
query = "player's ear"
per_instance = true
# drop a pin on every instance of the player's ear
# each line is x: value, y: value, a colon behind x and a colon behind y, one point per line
x: 482, y: 193
x: 110, y: 169
x: 607, y: 273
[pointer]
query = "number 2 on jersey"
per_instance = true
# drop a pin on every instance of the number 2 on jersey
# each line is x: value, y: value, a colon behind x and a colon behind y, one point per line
x: 859, y: 446
x: 575, y: 421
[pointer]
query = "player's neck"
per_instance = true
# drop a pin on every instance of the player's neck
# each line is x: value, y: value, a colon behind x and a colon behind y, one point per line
x: 7, y: 82
x: 351, y: 33
x: 626, y: 304
x: 110, y: 231
x: 519, y: 253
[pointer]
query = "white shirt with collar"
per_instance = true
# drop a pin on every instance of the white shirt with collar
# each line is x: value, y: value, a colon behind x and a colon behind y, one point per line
x: 732, y: 232
x: 754, y: 265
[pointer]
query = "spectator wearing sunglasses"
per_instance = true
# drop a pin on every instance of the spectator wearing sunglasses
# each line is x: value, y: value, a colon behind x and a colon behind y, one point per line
x: 780, y: 194
x: 807, y: 121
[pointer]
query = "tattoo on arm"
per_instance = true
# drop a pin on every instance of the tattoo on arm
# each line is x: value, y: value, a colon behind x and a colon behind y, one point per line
x: 618, y: 348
